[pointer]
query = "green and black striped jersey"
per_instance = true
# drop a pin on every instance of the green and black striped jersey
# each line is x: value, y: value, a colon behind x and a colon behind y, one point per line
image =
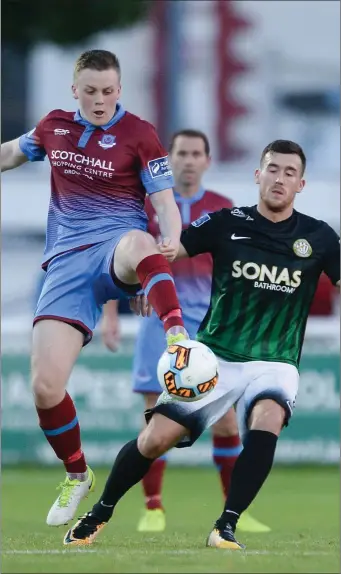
x: 264, y: 278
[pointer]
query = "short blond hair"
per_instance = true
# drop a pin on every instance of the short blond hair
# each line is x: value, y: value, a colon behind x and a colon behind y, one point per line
x: 97, y: 60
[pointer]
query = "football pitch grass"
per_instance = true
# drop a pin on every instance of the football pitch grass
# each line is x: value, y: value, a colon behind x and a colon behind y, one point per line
x: 300, y: 504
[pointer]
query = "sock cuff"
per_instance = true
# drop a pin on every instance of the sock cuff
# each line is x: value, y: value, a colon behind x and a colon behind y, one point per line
x: 226, y: 441
x: 61, y: 415
x: 160, y: 461
x: 153, y: 264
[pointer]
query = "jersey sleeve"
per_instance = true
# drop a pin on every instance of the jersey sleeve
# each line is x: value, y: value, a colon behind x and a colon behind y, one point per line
x: 32, y: 143
x: 202, y: 235
x: 331, y: 263
x: 156, y: 174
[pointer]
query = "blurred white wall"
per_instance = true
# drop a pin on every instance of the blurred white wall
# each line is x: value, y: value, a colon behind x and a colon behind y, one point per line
x: 292, y: 45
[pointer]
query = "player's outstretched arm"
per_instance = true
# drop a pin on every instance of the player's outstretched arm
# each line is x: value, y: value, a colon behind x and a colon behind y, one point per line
x: 11, y: 155
x: 169, y: 221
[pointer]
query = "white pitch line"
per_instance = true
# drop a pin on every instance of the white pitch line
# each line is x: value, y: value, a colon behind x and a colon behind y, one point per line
x: 29, y: 552
x: 171, y: 552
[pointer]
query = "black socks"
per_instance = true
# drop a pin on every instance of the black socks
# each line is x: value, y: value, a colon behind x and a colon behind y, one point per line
x: 129, y: 468
x: 250, y: 472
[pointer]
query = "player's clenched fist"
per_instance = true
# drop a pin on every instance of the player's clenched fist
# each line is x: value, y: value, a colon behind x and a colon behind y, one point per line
x: 168, y: 249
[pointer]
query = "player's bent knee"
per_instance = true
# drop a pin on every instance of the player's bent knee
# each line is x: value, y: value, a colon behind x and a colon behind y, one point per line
x: 267, y: 415
x: 46, y: 390
x: 159, y: 436
x: 48, y: 383
x: 133, y: 247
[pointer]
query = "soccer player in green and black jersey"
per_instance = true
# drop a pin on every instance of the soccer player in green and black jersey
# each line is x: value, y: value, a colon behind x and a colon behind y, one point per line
x: 267, y: 260
x: 264, y: 279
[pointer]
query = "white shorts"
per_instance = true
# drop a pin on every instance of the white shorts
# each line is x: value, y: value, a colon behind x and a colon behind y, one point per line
x: 241, y: 385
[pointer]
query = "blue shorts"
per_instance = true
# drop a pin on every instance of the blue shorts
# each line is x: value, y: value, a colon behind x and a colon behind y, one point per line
x: 150, y: 344
x: 77, y: 285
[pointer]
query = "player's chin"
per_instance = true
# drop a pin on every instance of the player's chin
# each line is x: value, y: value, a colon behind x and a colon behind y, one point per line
x: 189, y: 178
x: 99, y: 120
x: 277, y: 203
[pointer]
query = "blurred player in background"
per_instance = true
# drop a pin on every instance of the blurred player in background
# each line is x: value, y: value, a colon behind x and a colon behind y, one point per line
x: 189, y: 155
x: 267, y: 262
x: 103, y: 162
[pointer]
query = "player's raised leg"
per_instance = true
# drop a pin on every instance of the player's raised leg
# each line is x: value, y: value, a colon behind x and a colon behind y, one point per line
x: 131, y: 465
x: 226, y: 448
x: 137, y: 258
x: 56, y: 346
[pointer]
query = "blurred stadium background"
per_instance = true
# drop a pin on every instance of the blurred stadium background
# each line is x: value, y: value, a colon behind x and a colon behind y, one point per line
x: 245, y: 73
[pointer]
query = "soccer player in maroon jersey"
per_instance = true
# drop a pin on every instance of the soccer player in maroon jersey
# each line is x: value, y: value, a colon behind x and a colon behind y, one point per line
x: 103, y: 162
x: 189, y: 154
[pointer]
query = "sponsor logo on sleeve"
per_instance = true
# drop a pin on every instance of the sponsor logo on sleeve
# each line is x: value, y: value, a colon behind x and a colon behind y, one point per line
x: 159, y: 167
x: 201, y: 220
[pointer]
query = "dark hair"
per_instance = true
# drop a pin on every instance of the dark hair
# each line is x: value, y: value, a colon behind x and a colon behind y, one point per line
x: 287, y: 147
x: 97, y: 60
x: 188, y: 133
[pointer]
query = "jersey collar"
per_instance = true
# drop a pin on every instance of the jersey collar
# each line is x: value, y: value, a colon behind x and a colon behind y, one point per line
x: 189, y: 200
x: 272, y: 224
x: 120, y: 112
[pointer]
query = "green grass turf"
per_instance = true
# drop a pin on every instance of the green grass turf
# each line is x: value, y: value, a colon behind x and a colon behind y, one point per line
x: 300, y: 504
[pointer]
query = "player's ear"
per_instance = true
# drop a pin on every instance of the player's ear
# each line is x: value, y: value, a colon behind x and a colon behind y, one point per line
x: 257, y: 174
x: 301, y: 186
x: 74, y: 92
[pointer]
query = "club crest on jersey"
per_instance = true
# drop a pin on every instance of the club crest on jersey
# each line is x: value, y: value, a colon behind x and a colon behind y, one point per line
x: 107, y: 141
x: 159, y: 167
x: 201, y: 220
x: 302, y: 248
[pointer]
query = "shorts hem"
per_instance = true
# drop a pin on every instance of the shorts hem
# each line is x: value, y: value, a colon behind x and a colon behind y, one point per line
x: 273, y: 397
x: 79, y: 325
x: 194, y: 429
x: 131, y: 290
